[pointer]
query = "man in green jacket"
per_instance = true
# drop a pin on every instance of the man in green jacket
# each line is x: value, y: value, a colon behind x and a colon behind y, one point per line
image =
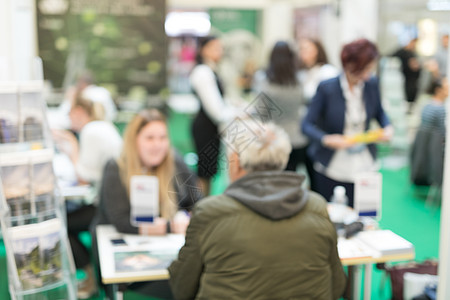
x: 265, y: 237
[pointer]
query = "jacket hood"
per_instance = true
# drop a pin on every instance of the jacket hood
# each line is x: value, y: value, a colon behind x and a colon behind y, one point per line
x: 275, y: 195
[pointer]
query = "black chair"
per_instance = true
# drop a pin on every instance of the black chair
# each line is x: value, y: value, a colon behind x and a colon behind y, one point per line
x: 427, y: 162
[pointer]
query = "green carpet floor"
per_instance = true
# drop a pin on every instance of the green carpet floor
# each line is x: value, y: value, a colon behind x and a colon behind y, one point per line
x: 404, y: 212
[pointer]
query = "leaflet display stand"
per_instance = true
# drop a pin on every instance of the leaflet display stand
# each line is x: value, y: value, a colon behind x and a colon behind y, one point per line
x: 38, y: 256
x: 32, y: 212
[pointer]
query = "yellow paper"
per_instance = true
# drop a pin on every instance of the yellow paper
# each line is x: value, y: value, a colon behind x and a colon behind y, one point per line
x: 367, y: 137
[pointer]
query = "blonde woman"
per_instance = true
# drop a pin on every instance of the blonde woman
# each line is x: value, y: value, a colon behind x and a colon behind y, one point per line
x: 98, y: 142
x: 146, y: 151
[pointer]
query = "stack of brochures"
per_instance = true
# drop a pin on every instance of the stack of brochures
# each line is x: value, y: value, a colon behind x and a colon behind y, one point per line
x: 385, y: 242
x: 353, y: 249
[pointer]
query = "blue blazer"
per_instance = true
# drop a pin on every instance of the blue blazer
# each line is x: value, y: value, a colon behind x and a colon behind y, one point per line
x: 326, y: 115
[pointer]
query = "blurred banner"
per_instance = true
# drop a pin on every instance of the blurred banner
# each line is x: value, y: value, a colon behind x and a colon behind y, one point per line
x: 121, y: 41
x: 240, y: 32
x: 225, y: 20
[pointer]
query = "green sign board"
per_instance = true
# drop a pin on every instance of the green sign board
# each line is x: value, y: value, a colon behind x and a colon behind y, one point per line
x: 225, y: 20
x: 122, y: 41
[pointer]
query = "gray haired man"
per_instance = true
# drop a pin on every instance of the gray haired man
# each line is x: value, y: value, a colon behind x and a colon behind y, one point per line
x: 265, y: 237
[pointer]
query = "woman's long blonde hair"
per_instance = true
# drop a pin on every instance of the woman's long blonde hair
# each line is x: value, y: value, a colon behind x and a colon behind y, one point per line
x: 130, y: 163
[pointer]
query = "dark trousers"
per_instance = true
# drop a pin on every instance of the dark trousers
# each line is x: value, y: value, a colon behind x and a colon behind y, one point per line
x: 325, y: 185
x: 159, y: 289
x: 207, y: 145
x: 411, y: 90
x: 77, y: 221
x: 298, y: 156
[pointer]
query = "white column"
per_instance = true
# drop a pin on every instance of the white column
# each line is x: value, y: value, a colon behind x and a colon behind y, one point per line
x: 359, y: 19
x: 278, y: 18
x: 444, y: 243
x: 331, y: 34
x: 18, y: 42
x: 345, y: 21
x: 5, y: 41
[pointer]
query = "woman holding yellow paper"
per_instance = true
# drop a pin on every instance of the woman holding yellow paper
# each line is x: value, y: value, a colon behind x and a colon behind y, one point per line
x: 342, y: 109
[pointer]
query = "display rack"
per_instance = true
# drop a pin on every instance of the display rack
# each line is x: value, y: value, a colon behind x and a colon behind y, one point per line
x: 32, y: 211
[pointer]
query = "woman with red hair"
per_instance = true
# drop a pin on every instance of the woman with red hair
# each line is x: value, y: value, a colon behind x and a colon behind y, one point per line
x: 341, y: 110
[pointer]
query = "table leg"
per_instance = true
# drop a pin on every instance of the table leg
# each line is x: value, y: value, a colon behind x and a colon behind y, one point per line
x: 367, y: 281
x: 112, y: 292
x: 119, y: 295
x: 356, y: 281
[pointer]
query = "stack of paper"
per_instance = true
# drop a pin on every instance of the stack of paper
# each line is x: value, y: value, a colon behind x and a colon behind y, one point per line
x: 353, y: 249
x: 385, y: 242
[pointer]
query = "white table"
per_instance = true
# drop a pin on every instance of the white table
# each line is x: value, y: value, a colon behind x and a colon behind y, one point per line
x: 170, y: 244
x: 106, y: 233
x: 365, y: 257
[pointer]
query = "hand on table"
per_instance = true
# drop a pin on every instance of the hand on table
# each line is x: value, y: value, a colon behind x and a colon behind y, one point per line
x: 158, y: 227
x: 180, y: 222
x: 65, y: 141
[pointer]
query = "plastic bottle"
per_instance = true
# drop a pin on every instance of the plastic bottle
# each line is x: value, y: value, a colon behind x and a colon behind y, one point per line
x: 339, y: 196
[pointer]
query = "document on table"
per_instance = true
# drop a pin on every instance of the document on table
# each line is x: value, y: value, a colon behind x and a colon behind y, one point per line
x: 143, y: 253
x: 385, y: 242
x: 353, y: 249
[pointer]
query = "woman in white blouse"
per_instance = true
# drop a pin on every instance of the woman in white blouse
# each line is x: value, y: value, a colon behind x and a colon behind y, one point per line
x: 314, y: 66
x: 208, y: 88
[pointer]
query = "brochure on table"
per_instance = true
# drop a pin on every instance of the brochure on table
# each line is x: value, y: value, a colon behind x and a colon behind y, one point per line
x: 146, y: 253
x: 373, y: 244
x: 385, y: 242
x: 368, y: 194
x: 144, y: 198
x: 353, y: 249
